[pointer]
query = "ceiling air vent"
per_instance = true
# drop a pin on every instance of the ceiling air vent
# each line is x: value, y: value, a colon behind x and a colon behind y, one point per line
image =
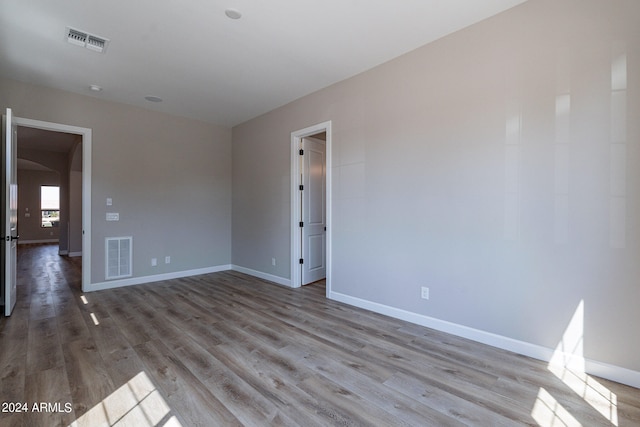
x: 76, y: 37
x: 90, y: 41
x: 96, y: 43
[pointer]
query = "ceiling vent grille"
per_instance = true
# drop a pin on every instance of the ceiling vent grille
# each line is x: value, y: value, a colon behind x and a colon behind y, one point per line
x: 84, y: 39
x: 76, y: 37
x: 96, y: 43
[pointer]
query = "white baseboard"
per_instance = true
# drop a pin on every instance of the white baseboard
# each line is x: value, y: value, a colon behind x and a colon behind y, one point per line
x: 29, y: 242
x: 74, y: 254
x: 111, y: 284
x: 266, y: 276
x: 613, y: 373
x: 592, y: 367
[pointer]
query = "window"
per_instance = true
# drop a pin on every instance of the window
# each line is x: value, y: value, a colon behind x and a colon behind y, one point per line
x: 50, y: 205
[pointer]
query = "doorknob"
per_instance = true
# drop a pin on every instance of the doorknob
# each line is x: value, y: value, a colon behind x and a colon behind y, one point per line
x: 14, y: 238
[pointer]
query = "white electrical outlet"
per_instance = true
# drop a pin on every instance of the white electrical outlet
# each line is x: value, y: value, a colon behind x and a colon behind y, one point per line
x: 425, y: 293
x: 167, y: 260
x: 154, y: 262
x: 273, y: 261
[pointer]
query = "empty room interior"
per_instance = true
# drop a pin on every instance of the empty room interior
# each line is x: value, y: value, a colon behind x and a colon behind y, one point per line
x: 236, y: 212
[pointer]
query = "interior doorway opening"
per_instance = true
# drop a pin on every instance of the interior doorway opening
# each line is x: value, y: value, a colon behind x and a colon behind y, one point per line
x: 47, y: 149
x: 311, y: 205
x: 313, y: 224
x: 49, y: 167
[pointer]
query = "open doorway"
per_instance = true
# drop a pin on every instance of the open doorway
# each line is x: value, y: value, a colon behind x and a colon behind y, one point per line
x: 311, y: 205
x: 54, y: 156
x: 49, y: 168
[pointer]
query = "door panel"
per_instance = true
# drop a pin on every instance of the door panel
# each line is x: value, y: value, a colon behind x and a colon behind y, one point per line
x: 313, y: 211
x: 9, y: 213
x: 315, y: 258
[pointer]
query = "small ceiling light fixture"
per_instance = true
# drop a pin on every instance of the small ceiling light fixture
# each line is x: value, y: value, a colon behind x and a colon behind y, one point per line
x: 95, y: 88
x: 233, y: 13
x: 152, y: 98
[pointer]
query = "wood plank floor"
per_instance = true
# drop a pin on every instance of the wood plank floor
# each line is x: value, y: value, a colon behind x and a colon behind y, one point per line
x: 227, y: 349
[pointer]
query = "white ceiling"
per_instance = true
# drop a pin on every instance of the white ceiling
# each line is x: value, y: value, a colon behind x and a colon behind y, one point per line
x: 209, y: 67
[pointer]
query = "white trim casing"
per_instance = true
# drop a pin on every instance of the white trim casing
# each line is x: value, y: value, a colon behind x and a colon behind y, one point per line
x: 85, y: 133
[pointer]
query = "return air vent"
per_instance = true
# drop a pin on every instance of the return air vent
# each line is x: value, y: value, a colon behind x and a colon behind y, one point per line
x: 76, y: 37
x: 84, y: 39
x: 96, y: 43
x: 118, y: 253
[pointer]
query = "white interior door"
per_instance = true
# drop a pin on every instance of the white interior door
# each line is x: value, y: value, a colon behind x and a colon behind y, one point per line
x: 313, y: 211
x: 9, y: 213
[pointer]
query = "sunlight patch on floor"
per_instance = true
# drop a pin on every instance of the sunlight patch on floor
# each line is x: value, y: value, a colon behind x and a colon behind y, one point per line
x: 568, y: 364
x: 136, y: 403
x: 94, y: 318
x: 549, y: 413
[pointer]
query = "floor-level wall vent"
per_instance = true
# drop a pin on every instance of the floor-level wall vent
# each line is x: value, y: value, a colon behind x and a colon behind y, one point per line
x: 118, y: 252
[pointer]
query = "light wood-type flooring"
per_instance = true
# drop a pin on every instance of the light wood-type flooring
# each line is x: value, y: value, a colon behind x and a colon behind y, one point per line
x: 227, y: 349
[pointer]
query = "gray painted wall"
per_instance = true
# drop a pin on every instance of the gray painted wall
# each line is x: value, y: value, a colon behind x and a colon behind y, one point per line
x: 499, y: 166
x: 75, y: 200
x: 169, y: 178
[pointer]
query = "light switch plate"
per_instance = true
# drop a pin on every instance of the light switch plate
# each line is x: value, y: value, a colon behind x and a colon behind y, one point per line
x: 113, y: 216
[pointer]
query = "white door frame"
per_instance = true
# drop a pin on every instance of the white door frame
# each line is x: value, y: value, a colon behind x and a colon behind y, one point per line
x: 10, y: 219
x: 296, y: 248
x: 85, y: 133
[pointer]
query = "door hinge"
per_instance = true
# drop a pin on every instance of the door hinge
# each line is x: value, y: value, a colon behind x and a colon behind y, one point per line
x: 301, y: 152
x: 301, y: 187
x: 301, y: 261
x: 301, y: 224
